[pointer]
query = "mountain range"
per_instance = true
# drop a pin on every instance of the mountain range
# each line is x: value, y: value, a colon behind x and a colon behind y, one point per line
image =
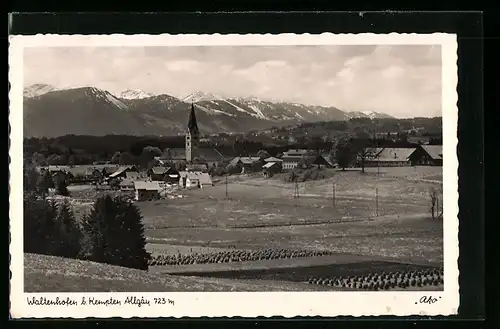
x: 51, y: 112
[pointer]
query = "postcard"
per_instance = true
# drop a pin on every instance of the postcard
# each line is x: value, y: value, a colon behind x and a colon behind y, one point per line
x: 233, y: 175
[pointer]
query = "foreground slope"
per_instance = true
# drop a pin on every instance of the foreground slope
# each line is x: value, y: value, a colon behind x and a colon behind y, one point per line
x: 54, y: 274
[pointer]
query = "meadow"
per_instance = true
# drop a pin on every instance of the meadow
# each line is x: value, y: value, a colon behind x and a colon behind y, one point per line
x: 379, y: 218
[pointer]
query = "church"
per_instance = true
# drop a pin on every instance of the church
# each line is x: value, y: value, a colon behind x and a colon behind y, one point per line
x: 192, y: 154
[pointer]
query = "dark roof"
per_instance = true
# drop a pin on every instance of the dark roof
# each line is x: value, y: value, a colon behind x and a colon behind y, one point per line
x: 192, y: 124
x: 159, y: 170
x: 434, y: 151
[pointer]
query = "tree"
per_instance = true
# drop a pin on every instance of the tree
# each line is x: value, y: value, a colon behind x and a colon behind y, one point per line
x: 30, y: 179
x: 114, y: 183
x: 44, y: 183
x: 115, y: 159
x: 38, y: 159
x: 148, y: 154
x: 126, y: 159
x: 70, y: 234
x: 343, y: 154
x: 263, y: 154
x: 61, y: 185
x: 40, y: 228
x: 114, y: 234
x: 363, y: 154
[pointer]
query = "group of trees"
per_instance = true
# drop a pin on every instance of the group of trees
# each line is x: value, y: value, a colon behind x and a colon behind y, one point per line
x: 112, y: 232
x: 39, y: 183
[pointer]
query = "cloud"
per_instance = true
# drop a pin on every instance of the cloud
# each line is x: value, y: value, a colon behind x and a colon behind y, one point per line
x: 398, y: 80
x: 183, y: 65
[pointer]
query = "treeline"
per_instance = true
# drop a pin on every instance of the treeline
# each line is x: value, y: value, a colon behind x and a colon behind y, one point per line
x: 112, y: 232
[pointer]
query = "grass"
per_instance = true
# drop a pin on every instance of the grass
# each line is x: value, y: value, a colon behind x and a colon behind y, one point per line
x: 54, y: 274
x: 262, y: 213
x: 409, y: 239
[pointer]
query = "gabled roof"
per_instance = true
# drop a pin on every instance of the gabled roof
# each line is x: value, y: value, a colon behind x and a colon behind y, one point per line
x: 293, y: 152
x: 245, y: 160
x: 132, y: 175
x: 434, y: 151
x: 120, y: 170
x: 147, y: 185
x: 395, y: 154
x: 272, y: 159
x: 269, y: 165
x: 159, y: 170
x: 204, y: 178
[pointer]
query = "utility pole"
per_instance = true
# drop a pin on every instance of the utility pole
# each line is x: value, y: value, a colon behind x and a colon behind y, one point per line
x: 226, y: 186
x: 376, y: 201
x: 333, y: 190
x: 296, y: 192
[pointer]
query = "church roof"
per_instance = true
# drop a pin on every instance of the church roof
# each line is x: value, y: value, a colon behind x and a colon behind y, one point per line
x: 192, y: 124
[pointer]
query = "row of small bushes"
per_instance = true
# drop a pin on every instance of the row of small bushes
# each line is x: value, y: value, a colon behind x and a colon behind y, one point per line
x: 385, y: 281
x: 232, y: 256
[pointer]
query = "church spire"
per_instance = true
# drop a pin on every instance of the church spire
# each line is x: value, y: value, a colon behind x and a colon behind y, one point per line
x: 192, y: 124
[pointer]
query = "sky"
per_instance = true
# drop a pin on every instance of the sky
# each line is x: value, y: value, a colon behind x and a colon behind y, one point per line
x: 400, y: 80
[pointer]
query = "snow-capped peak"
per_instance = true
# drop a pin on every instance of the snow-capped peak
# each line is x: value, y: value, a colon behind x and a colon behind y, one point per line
x: 135, y: 94
x: 199, y: 96
x: 107, y: 96
x: 37, y: 90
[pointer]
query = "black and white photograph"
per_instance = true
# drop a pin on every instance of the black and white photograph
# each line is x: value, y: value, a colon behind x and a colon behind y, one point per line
x: 149, y: 167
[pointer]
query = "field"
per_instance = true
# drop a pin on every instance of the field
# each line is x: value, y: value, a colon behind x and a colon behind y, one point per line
x: 371, y: 221
x: 54, y: 274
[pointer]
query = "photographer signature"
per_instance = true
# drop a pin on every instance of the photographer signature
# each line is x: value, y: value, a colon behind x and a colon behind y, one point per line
x: 428, y: 300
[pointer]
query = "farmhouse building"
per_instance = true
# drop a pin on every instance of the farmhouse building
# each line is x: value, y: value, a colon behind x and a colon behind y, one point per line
x: 271, y: 168
x: 389, y: 157
x: 246, y: 163
x: 428, y: 155
x: 164, y: 174
x: 293, y: 157
x: 133, y: 175
x: 127, y: 185
x: 145, y: 190
x: 273, y: 159
x: 188, y: 179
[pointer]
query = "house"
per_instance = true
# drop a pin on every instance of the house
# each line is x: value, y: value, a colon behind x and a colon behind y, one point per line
x: 321, y: 162
x: 146, y: 190
x: 273, y: 159
x: 293, y: 157
x: 203, y: 167
x: 189, y: 179
x: 157, y: 173
x: 271, y: 168
x: 247, y: 163
x: 389, y: 157
x: 428, y: 155
x: 133, y: 175
x: 127, y: 185
x: 328, y: 158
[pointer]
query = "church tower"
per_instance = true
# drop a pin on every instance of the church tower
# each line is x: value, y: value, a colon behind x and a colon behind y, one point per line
x: 192, y: 136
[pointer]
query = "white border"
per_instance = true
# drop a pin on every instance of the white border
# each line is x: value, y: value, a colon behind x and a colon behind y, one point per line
x: 243, y: 304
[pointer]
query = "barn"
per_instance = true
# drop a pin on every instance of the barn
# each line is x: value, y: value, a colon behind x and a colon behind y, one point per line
x: 430, y: 155
x: 146, y: 190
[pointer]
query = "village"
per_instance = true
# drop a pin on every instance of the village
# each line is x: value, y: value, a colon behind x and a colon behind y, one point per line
x: 195, y: 167
x: 203, y: 211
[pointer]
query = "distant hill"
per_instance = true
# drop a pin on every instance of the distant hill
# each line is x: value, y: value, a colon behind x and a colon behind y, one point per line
x: 91, y: 111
